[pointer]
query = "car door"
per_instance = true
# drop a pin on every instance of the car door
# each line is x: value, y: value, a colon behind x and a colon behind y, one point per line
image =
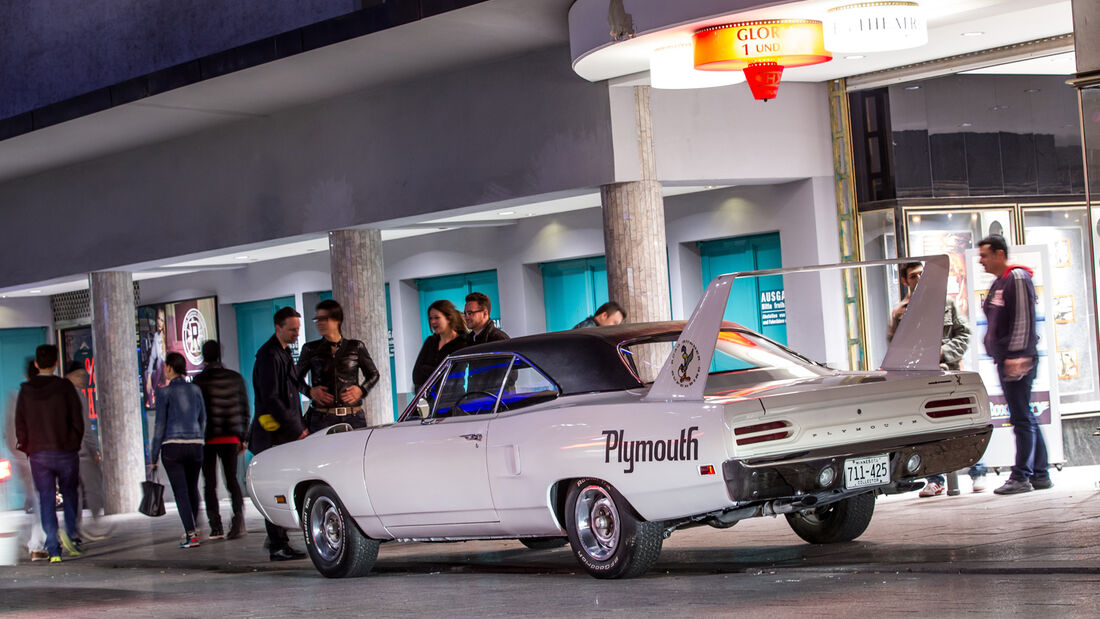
x: 432, y: 472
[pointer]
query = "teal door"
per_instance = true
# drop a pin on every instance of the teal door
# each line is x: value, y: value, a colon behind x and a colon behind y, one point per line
x: 254, y: 327
x: 454, y: 288
x: 16, y: 348
x: 572, y: 290
x: 755, y: 302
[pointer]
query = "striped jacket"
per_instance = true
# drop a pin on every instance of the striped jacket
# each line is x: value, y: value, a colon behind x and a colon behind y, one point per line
x: 1010, y: 310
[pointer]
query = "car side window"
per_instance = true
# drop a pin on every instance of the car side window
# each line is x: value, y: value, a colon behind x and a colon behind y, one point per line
x: 526, y: 386
x: 471, y: 386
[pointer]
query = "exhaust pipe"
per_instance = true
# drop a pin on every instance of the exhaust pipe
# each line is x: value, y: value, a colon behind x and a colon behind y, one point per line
x: 781, y: 506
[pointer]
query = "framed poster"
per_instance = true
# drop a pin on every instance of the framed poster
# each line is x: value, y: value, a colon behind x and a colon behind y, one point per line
x: 179, y: 326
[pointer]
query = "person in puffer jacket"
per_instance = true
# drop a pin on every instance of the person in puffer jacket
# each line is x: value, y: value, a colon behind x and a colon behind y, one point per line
x: 226, y: 398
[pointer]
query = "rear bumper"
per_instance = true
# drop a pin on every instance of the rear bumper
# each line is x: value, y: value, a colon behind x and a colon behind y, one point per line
x: 790, y: 475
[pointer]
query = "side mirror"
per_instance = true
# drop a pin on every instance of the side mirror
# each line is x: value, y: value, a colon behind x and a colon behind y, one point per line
x: 423, y: 408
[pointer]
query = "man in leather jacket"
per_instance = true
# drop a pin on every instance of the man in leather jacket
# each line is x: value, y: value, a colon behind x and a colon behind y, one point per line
x: 334, y: 364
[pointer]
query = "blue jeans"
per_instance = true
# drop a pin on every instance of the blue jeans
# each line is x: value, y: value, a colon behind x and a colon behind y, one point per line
x: 1031, y: 449
x: 52, y: 470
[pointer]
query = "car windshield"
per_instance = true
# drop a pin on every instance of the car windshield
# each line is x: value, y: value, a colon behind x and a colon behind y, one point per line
x: 736, y: 350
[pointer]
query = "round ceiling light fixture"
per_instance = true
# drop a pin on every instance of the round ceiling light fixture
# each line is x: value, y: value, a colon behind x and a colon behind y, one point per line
x: 762, y: 49
x: 875, y: 27
x: 672, y: 67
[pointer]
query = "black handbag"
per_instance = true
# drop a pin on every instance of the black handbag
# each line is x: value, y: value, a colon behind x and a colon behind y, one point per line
x: 152, y: 497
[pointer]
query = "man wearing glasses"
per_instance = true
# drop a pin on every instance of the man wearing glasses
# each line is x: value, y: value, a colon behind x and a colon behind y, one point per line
x: 334, y: 364
x: 477, y: 320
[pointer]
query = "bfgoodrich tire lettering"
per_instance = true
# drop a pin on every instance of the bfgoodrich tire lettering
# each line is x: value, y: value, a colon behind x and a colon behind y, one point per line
x: 334, y: 542
x: 842, y: 521
x: 608, y: 539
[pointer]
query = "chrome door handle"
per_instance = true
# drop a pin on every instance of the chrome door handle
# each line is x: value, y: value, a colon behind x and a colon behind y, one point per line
x: 471, y: 437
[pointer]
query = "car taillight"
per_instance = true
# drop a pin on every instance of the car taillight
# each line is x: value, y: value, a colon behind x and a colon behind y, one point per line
x: 761, y: 432
x: 5, y: 469
x: 951, y: 407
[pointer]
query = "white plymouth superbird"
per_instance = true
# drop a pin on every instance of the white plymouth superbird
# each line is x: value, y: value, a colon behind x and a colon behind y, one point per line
x: 611, y: 438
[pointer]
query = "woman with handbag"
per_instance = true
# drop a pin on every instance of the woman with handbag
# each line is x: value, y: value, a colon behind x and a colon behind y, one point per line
x: 178, y: 439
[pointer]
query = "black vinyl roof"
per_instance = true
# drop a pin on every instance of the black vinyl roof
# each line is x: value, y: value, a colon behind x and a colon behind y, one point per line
x: 581, y: 360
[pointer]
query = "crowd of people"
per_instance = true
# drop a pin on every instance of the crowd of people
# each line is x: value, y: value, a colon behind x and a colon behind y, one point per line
x: 201, y: 422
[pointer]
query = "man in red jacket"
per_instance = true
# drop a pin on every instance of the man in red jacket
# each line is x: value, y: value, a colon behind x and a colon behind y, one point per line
x: 49, y: 426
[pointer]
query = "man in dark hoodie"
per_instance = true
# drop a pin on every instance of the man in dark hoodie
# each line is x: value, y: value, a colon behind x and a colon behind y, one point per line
x: 1011, y: 339
x: 49, y: 426
x: 227, y: 416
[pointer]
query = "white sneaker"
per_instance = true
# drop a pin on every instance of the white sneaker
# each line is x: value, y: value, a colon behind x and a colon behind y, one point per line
x: 931, y: 489
x: 979, y: 483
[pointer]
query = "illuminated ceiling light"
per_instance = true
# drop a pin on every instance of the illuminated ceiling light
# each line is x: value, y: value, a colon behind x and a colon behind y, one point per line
x: 875, y: 27
x: 35, y: 291
x: 762, y: 49
x: 914, y: 87
x: 854, y: 57
x: 973, y: 33
x: 673, y: 67
x: 502, y: 213
x: 240, y: 257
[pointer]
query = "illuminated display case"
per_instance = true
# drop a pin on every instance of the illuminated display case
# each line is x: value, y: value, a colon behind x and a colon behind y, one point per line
x: 1063, y: 228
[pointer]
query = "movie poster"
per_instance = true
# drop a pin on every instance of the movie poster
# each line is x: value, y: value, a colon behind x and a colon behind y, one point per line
x: 180, y: 326
x: 76, y: 346
x: 954, y: 244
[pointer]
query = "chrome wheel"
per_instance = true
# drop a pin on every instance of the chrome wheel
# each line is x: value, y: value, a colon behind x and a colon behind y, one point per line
x: 326, y: 528
x: 597, y: 522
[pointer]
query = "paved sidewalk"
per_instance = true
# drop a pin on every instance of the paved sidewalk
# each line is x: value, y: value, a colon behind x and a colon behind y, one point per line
x: 974, y: 553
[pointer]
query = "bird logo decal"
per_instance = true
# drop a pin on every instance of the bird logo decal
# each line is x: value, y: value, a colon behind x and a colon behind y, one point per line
x: 688, y: 369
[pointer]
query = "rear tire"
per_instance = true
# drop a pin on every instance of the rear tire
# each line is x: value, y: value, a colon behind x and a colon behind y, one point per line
x: 607, y: 537
x: 842, y: 521
x: 334, y: 542
x: 544, y: 543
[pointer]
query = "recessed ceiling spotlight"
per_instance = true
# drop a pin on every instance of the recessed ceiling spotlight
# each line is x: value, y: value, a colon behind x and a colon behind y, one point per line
x: 240, y: 257
x: 854, y: 57
x: 912, y: 87
x: 973, y: 33
x: 966, y: 124
x: 506, y: 213
x: 35, y: 291
x: 1032, y: 90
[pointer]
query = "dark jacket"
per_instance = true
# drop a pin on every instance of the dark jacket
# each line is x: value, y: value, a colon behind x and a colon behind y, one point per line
x: 48, y: 416
x: 278, y: 417
x: 489, y: 334
x: 338, y: 370
x: 181, y: 414
x: 431, y: 355
x: 1010, y: 311
x: 226, y: 399
x: 587, y: 322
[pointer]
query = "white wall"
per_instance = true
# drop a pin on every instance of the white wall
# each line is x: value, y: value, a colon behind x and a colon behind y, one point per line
x: 25, y: 312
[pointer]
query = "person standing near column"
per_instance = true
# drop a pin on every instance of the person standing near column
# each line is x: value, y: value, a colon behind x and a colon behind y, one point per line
x: 226, y: 399
x: 1011, y: 340
x: 278, y: 417
x: 334, y: 364
x: 178, y: 440
x: 49, y: 427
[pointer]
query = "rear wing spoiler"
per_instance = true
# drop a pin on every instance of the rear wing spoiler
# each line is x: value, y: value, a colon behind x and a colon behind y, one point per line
x: 916, y: 343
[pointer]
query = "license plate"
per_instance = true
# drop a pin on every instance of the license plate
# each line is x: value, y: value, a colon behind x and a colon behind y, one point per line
x: 869, y: 471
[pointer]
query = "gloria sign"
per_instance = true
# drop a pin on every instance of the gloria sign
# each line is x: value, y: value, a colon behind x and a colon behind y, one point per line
x: 761, y: 49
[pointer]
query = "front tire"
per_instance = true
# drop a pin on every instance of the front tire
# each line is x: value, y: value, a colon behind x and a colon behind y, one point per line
x: 334, y: 542
x: 607, y: 537
x: 842, y: 521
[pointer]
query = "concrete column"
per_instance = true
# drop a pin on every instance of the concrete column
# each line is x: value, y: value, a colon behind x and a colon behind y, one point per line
x: 118, y: 398
x: 359, y: 285
x: 634, y: 231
